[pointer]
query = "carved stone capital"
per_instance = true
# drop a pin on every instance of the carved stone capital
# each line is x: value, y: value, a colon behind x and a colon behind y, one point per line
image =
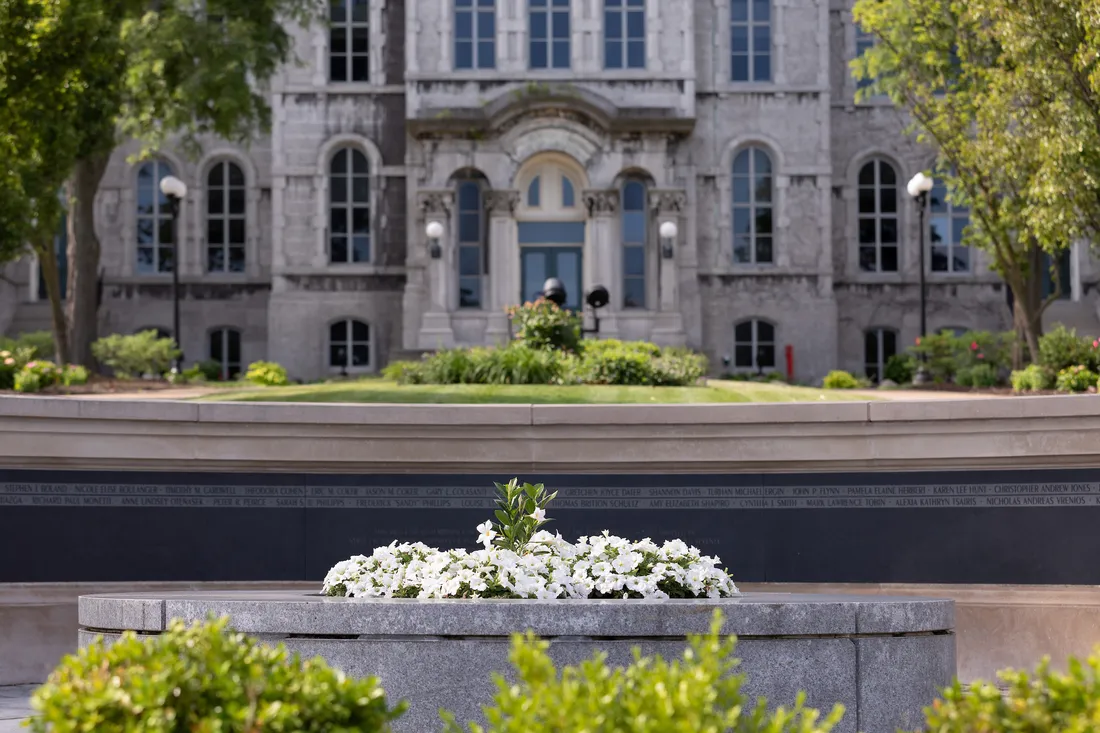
x: 601, y: 202
x: 503, y: 202
x: 670, y: 202
x: 435, y: 203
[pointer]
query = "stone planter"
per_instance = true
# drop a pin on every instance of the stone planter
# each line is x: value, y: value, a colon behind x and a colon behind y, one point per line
x: 883, y: 658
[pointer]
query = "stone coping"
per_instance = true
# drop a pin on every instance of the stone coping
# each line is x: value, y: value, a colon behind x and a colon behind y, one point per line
x: 299, y: 613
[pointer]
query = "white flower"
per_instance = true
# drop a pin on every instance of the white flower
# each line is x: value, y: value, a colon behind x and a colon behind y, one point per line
x: 538, y: 515
x: 487, y: 533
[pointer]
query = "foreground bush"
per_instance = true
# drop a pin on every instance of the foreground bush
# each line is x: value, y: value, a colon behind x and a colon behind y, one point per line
x: 979, y: 375
x: 698, y: 694
x: 1075, y: 379
x: 134, y: 356
x: 1034, y: 378
x: 838, y: 379
x: 900, y: 368
x: 639, y: 363
x: 204, y: 678
x: 946, y: 355
x: 267, y: 374
x: 1062, y: 348
x: 38, y: 344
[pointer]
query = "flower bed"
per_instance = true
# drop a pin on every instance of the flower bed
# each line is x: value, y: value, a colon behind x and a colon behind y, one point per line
x: 519, y: 560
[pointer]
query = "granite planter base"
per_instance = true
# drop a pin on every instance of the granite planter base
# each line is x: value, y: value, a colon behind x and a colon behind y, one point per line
x: 883, y: 658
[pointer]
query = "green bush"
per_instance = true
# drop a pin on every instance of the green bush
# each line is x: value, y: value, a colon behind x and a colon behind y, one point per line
x: 697, y: 693
x: 1063, y: 348
x: 543, y: 325
x: 28, y: 382
x: 900, y: 368
x: 946, y: 354
x: 204, y: 678
x: 979, y: 375
x: 1075, y: 379
x: 679, y: 367
x: 267, y: 374
x: 515, y: 363
x: 9, y: 367
x: 74, y: 375
x: 1030, y: 703
x: 209, y: 370
x: 1034, y: 378
x: 39, y: 343
x: 404, y: 372
x: 838, y: 379
x: 36, y: 376
x: 137, y: 355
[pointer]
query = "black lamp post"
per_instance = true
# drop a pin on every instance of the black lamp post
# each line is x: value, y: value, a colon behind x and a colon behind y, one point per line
x: 918, y: 187
x: 175, y: 190
x: 598, y: 297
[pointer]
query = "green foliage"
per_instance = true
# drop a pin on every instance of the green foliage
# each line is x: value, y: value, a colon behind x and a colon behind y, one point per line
x: 204, y: 677
x: 28, y: 382
x: 209, y: 370
x: 267, y: 374
x: 900, y: 368
x: 1062, y: 348
x: 700, y: 693
x: 543, y: 325
x: 1075, y: 379
x: 638, y: 363
x: 39, y: 343
x: 521, y: 511
x: 979, y: 375
x: 838, y: 379
x: 404, y: 372
x: 946, y: 355
x: 1034, y: 378
x: 1035, y: 702
x: 137, y: 355
x: 74, y: 375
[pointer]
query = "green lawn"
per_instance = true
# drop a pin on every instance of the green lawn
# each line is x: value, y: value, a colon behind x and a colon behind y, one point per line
x: 378, y: 390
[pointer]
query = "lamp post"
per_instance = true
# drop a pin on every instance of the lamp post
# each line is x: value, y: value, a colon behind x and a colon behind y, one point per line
x: 175, y: 191
x: 668, y: 232
x: 918, y: 188
x: 434, y: 230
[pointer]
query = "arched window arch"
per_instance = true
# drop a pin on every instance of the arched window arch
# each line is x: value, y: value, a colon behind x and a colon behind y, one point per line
x: 349, y: 227
x: 475, y: 34
x: 226, y: 210
x: 224, y: 347
x: 349, y: 40
x: 879, y: 344
x: 878, y: 217
x: 634, y: 231
x: 946, y: 224
x: 471, y: 242
x: 349, y: 345
x: 754, y: 345
x: 155, y: 233
x: 568, y: 193
x: 750, y: 40
x: 753, y: 196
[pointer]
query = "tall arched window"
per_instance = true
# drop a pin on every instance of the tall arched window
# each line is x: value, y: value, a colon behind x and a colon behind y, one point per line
x: 549, y: 35
x: 624, y: 34
x: 634, y: 241
x: 879, y: 344
x: 752, y: 206
x: 475, y: 34
x: 945, y: 229
x: 349, y: 40
x: 349, y: 207
x: 754, y: 345
x: 471, y: 239
x: 349, y: 345
x: 878, y: 217
x: 154, y: 219
x: 750, y: 40
x: 224, y: 347
x: 534, y: 192
x: 225, y: 218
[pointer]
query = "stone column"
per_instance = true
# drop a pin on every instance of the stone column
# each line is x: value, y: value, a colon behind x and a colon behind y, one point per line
x: 668, y: 325
x: 603, y: 256
x: 436, y: 331
x: 504, y: 263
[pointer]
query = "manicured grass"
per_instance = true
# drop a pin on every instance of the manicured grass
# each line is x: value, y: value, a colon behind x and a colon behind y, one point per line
x: 378, y: 390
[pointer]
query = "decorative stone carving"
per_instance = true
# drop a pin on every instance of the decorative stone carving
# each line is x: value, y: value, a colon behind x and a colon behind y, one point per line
x: 502, y: 202
x: 601, y: 202
x: 667, y: 201
x: 435, y: 203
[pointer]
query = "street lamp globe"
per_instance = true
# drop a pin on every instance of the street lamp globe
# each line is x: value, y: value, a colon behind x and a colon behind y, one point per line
x: 173, y: 187
x: 669, y: 230
x: 919, y: 185
x: 434, y: 230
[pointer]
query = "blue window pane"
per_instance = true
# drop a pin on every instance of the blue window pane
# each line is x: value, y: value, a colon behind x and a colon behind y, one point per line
x: 551, y: 232
x: 761, y: 11
x: 568, y: 199
x: 634, y: 196
x: 635, y: 54
x: 613, y: 25
x: 361, y: 248
x: 486, y: 54
x: 464, y: 55
x: 339, y: 162
x: 359, y: 162
x: 533, y: 193
x: 561, y: 25
x: 360, y: 11
x: 739, y: 68
x: 569, y: 272
x: 763, y: 250
x: 537, y: 3
x: 538, y: 55
x: 561, y: 3
x: 739, y: 10
x: 538, y: 25
x: 938, y: 233
x: 761, y: 38
x: 763, y: 162
x: 634, y: 261
x: 469, y: 292
x: 635, y: 25
x: 534, y: 274
x: 485, y: 3
x: 464, y: 25
x: 742, y: 220
x: 886, y: 173
x: 486, y: 25
x: 939, y: 198
x: 338, y: 190
x: 613, y: 54
x: 469, y: 227
x: 741, y: 162
x: 763, y: 188
x: 561, y: 55
x: 463, y: 3
x: 961, y: 259
x: 634, y: 292
x: 742, y: 248
x: 958, y: 225
x: 469, y: 197
x: 739, y: 39
x: 634, y: 227
x: 613, y: 3
x: 469, y: 260
x: 742, y: 192
x: 762, y: 68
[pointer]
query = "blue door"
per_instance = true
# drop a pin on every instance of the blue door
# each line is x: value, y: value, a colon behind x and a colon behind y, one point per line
x: 552, y: 249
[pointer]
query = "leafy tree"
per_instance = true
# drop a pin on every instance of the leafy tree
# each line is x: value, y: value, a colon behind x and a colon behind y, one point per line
x: 944, y: 62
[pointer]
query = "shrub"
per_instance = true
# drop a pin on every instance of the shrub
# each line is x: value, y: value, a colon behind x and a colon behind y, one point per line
x: 677, y: 367
x: 36, y: 376
x: 405, y: 372
x: 1034, y: 378
x: 28, y: 382
x: 702, y: 694
x: 838, y: 379
x: 9, y: 367
x: 900, y: 368
x: 622, y: 366
x: 1063, y: 348
x: 74, y: 375
x: 209, y: 370
x: 39, y: 343
x: 204, y: 678
x: 515, y: 363
x: 137, y: 355
x: 979, y: 375
x: 946, y: 354
x: 267, y: 374
x: 543, y: 325
x: 1075, y: 379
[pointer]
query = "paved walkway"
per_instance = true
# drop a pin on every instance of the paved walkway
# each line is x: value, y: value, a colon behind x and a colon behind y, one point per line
x: 15, y: 705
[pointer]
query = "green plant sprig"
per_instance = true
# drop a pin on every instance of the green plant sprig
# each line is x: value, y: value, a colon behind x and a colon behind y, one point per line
x: 521, y: 511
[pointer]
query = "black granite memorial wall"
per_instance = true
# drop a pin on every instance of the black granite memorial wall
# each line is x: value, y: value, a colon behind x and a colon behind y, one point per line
x: 1035, y: 526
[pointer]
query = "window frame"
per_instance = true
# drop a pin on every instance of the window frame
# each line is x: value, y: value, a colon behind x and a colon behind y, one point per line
x: 161, y: 213
x: 755, y: 344
x: 550, y: 9
x: 225, y: 190
x: 479, y: 245
x: 350, y: 205
x: 475, y: 9
x: 878, y: 216
x: 348, y: 25
x: 225, y: 363
x: 624, y: 9
x: 625, y: 247
x: 750, y: 24
x: 754, y: 205
x: 881, y: 357
x: 349, y: 343
x: 950, y: 214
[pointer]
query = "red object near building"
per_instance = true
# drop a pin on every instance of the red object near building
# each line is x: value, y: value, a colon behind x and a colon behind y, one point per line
x: 789, y: 350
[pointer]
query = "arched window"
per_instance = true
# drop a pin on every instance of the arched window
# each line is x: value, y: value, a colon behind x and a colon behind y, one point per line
x: 225, y: 348
x: 471, y: 239
x: 349, y: 345
x: 475, y: 34
x: 878, y: 217
x: 568, y: 194
x: 624, y: 34
x: 155, y: 232
x: 548, y: 30
x: 879, y: 344
x: 534, y: 192
x: 634, y: 241
x: 225, y: 218
x: 752, y: 206
x: 750, y: 40
x: 349, y: 40
x: 754, y: 345
x: 349, y: 207
x: 945, y: 229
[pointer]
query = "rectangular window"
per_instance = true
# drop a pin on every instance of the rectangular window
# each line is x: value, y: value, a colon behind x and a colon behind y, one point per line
x: 945, y: 233
x: 349, y: 40
x: 548, y: 27
x: 475, y: 34
x: 750, y: 40
x: 471, y: 235
x: 864, y: 41
x: 624, y: 34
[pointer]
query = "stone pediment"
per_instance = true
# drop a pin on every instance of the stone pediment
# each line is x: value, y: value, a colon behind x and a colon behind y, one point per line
x: 566, y: 101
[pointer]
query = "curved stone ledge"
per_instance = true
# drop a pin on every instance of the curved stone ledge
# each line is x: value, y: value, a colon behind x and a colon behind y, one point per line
x: 884, y: 658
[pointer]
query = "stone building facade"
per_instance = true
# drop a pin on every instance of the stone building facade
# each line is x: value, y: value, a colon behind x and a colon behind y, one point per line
x: 552, y: 137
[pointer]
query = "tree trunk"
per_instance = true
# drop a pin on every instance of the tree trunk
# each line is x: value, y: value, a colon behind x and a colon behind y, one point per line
x: 1028, y: 308
x: 47, y: 263
x: 83, y: 303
